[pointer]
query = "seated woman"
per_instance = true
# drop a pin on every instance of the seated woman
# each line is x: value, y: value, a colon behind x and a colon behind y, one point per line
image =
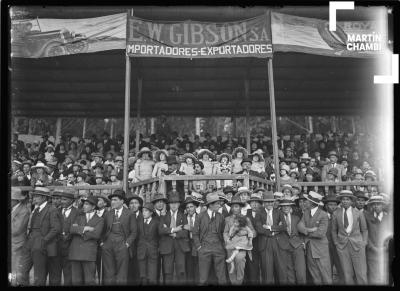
x: 160, y: 166
x: 39, y: 175
x: 187, y: 166
x: 258, y: 164
x: 144, y: 165
x: 238, y: 155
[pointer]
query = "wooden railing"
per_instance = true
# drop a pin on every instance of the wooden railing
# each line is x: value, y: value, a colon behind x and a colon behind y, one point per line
x: 336, y: 186
x: 95, y: 189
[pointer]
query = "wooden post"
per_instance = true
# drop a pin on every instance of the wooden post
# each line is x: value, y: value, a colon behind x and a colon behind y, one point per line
x: 126, y: 119
x: 84, y: 127
x: 273, y: 120
x: 310, y: 124
x: 58, y: 130
x: 198, y: 126
x: 152, y: 128
x: 112, y: 127
x: 138, y: 113
x: 353, y: 125
x: 247, y: 97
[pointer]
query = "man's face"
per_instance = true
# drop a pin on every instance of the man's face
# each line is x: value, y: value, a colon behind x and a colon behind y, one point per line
x: 99, y: 180
x: 134, y: 205
x: 190, y: 208
x: 113, y: 178
x: 172, y: 167
x: 159, y: 205
x: 287, y: 192
x: 79, y: 179
x: 174, y: 206
x: 65, y: 202
x: 312, y: 163
x: 38, y: 199
x: 302, y: 204
x: 331, y: 207
x: 56, y: 201
x: 235, y: 208
x: 333, y: 159
x: 377, y: 207
x: 229, y: 196
x: 269, y: 205
x: 87, y: 207
x: 26, y: 168
x: 71, y: 178
x: 286, y: 209
x: 101, y: 203
x: 360, y: 203
x: 214, y: 206
x: 119, y: 163
x: 116, y: 203
x: 255, y: 205
x: 346, y: 202
x: 345, y: 164
x: 244, y: 196
x: 246, y: 166
x: 308, y: 204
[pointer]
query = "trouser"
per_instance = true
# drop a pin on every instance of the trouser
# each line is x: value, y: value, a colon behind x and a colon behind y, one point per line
x: 296, y: 266
x: 252, y: 268
x: 376, y: 266
x: 319, y: 268
x: 133, y: 271
x: 54, y: 268
x: 99, y: 271
x: 115, y: 255
x: 16, y: 254
x: 272, y: 263
x: 192, y: 269
x: 148, y: 269
x: 174, y: 260
x: 212, y: 254
x: 160, y: 271
x: 83, y: 272
x: 37, y: 259
x: 353, y: 264
x: 239, y: 261
x: 335, y: 262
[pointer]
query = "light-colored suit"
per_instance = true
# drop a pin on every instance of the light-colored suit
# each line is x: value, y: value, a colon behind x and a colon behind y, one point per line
x: 351, y: 246
x: 317, y: 246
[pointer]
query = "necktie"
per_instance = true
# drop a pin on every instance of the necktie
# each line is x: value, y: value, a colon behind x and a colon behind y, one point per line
x: 87, y: 217
x: 147, y: 220
x: 346, y: 219
x: 289, y: 226
x: 63, y: 212
x: 190, y: 222
x: 116, y: 215
x: 269, y: 220
x: 173, y: 221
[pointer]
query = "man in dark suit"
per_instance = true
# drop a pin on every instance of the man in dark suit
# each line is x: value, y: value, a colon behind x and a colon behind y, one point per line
x: 379, y: 228
x: 333, y: 158
x: 314, y: 225
x: 253, y: 265
x: 174, y: 241
x: 350, y: 235
x: 120, y: 233
x: 86, y: 230
x: 61, y: 264
x: 224, y: 207
x: 192, y: 260
x: 147, y: 245
x: 270, y: 222
x: 293, y: 246
x: 20, y: 213
x: 103, y: 203
x: 246, y: 167
x: 43, y: 227
x: 135, y: 203
x: 209, y: 242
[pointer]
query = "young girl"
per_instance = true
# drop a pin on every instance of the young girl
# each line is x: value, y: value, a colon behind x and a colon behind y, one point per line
x: 187, y: 166
x: 240, y: 238
x: 161, y: 163
x: 144, y: 165
x: 223, y: 167
x: 258, y: 164
x: 205, y: 157
x: 238, y: 155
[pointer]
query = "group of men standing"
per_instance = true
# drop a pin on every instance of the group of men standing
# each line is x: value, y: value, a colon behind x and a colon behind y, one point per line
x: 169, y: 241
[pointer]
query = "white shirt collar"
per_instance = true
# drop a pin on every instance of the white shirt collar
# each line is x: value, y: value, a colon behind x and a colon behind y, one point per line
x: 90, y: 214
x: 313, y: 210
x: 43, y: 205
x: 210, y: 213
x: 100, y: 212
x: 15, y: 206
x: 349, y: 212
x: 119, y: 211
x: 380, y: 216
x: 148, y: 220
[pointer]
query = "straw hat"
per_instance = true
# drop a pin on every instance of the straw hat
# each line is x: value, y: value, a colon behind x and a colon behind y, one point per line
x: 255, y: 197
x: 259, y: 154
x: 243, y: 190
x: 286, y: 168
x: 228, y: 156
x: 286, y: 202
x: 144, y: 150
x: 204, y: 151
x: 40, y: 165
x: 346, y: 193
x: 212, y: 197
x: 41, y: 191
x: 305, y: 156
x: 287, y: 186
x: 158, y: 153
x: 268, y: 196
x: 376, y: 199
x: 314, y: 197
x: 197, y: 197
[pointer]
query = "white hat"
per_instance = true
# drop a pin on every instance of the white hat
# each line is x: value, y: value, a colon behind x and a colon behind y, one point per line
x: 314, y: 197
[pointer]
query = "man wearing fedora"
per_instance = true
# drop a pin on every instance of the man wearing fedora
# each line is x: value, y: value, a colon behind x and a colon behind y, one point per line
x: 43, y: 227
x: 135, y: 204
x: 147, y: 245
x: 236, y: 204
x: 224, y: 205
x: 379, y: 228
x: 192, y: 261
x: 120, y: 233
x: 246, y: 167
x: 350, y: 236
x: 333, y: 158
x: 331, y: 205
x: 314, y: 225
x: 361, y: 200
x: 209, y: 242
x: 103, y: 203
x: 86, y: 230
x: 174, y: 241
x: 270, y: 222
x: 61, y: 264
x: 292, y: 244
x: 20, y: 213
x: 253, y: 264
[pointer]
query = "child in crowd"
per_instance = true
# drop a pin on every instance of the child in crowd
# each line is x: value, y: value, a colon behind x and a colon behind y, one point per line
x: 205, y: 157
x: 223, y: 167
x: 187, y: 166
x: 238, y: 155
x: 258, y: 164
x: 144, y: 165
x: 240, y: 239
x: 199, y: 185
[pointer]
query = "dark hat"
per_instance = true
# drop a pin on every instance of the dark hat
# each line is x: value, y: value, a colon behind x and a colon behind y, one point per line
x: 236, y: 200
x: 97, y: 155
x: 159, y: 196
x: 41, y: 191
x: 310, y: 171
x: 105, y: 198
x: 98, y: 165
x: 246, y: 160
x: 134, y: 196
x: 228, y: 189
x: 301, y: 196
x: 256, y: 197
x: 333, y: 171
x: 16, y: 194
x: 346, y: 193
x: 212, y: 197
x: 82, y: 175
x: 331, y: 198
x: 171, y: 160
x: 67, y: 193
x: 173, y: 197
x: 149, y: 206
x: 190, y: 199
x: 333, y: 153
x: 222, y: 195
x: 361, y: 194
x: 205, y: 151
x: 92, y: 200
x: 286, y: 202
x: 268, y: 196
x: 118, y: 193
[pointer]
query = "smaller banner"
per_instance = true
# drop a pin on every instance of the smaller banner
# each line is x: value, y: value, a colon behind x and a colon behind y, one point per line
x: 310, y: 35
x: 191, y: 39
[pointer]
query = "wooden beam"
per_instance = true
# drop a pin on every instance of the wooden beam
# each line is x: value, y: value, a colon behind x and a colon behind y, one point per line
x: 140, y: 83
x: 126, y: 120
x: 247, y: 98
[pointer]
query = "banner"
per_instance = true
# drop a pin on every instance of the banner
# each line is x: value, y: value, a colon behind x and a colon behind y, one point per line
x: 191, y: 39
x: 312, y: 36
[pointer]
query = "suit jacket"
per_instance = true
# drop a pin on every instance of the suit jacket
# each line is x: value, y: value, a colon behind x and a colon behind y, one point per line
x: 318, y: 241
x: 326, y: 168
x: 147, y: 242
x: 128, y: 223
x: 279, y: 225
x: 19, y: 225
x: 182, y: 237
x: 83, y: 246
x: 253, y: 223
x: 65, y: 236
x: 201, y: 226
x: 191, y: 241
x: 225, y: 212
x: 376, y: 229
x: 50, y: 227
x: 358, y: 236
x: 293, y: 239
